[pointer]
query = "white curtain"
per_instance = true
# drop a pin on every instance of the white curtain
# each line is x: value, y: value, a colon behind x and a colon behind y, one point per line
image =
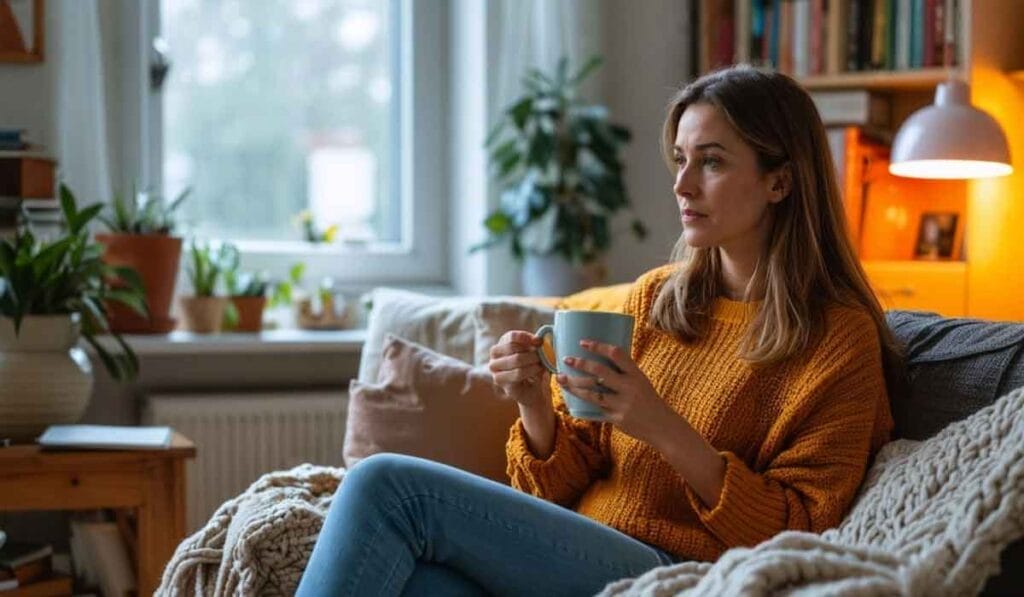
x: 533, y: 34
x: 537, y: 33
x: 82, y: 150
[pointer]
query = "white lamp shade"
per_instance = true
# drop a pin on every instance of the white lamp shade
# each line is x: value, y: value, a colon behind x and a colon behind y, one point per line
x: 950, y: 139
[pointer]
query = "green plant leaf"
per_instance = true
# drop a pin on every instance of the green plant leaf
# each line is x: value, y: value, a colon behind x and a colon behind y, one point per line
x: 296, y: 272
x: 497, y: 223
x: 130, y: 299
x: 83, y: 218
x: 230, y: 320
x: 520, y: 112
x: 590, y: 66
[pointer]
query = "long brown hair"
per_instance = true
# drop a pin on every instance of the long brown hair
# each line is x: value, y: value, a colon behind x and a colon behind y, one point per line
x: 810, y: 261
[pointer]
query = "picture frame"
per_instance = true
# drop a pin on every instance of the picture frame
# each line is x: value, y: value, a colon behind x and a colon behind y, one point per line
x: 938, y: 236
x: 21, y: 31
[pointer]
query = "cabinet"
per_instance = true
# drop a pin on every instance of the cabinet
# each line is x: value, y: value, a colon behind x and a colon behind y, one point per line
x: 983, y: 275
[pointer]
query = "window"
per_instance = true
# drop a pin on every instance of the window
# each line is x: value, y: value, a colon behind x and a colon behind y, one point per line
x: 276, y: 107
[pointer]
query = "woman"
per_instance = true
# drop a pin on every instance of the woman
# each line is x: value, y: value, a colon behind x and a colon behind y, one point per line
x: 751, y: 404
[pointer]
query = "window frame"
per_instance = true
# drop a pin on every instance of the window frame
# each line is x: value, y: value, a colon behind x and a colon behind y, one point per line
x: 420, y: 257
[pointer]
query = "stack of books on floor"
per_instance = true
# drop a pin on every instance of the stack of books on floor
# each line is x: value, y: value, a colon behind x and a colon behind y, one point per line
x: 26, y: 570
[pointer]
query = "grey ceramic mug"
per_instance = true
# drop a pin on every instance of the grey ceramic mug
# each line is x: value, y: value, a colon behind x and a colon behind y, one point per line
x: 572, y: 326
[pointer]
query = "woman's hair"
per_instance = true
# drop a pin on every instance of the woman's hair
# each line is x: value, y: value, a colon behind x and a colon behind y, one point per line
x: 809, y: 262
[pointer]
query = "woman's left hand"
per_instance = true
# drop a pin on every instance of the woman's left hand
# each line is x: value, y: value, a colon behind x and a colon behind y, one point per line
x: 628, y: 399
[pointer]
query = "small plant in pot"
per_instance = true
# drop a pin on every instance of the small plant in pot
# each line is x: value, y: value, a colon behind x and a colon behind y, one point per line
x: 204, y: 311
x: 556, y: 160
x: 51, y: 293
x: 248, y: 294
x: 141, y: 236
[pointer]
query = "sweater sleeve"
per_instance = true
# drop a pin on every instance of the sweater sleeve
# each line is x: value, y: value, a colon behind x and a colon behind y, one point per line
x: 841, y: 412
x: 578, y: 457
x: 581, y: 447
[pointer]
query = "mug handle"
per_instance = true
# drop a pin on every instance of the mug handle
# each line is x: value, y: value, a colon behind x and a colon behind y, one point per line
x: 545, y: 330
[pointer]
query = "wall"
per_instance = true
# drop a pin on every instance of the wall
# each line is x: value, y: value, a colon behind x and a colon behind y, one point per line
x: 27, y: 91
x: 647, y: 58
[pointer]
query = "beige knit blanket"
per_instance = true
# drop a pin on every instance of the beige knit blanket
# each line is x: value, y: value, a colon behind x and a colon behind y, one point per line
x: 931, y: 519
x: 259, y: 542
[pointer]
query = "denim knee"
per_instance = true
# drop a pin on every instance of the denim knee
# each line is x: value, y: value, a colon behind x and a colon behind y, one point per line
x: 374, y: 476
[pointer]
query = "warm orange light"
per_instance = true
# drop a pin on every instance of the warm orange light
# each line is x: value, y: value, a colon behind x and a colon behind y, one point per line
x: 950, y: 169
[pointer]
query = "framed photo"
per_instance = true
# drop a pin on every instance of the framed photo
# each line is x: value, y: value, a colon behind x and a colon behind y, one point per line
x: 21, y: 31
x: 937, y: 236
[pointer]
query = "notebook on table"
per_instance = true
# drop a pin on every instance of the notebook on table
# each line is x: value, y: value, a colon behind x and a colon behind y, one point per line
x: 105, y: 437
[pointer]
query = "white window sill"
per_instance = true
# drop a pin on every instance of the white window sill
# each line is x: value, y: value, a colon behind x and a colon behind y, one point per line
x: 269, y: 341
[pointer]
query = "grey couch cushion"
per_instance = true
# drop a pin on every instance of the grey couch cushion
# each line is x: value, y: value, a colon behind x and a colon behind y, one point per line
x: 954, y: 367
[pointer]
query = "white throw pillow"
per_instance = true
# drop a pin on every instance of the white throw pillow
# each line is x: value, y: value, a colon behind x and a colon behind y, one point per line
x: 491, y: 319
x: 443, y: 324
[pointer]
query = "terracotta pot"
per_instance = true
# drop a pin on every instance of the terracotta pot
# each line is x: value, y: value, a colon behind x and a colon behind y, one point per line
x: 203, y: 314
x: 250, y: 312
x: 45, y: 378
x: 156, y: 257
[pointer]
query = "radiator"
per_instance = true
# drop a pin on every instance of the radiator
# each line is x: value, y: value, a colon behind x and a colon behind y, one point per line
x: 240, y: 437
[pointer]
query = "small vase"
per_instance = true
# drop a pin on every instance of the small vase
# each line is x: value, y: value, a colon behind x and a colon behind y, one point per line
x: 203, y: 314
x: 250, y: 312
x: 45, y: 379
x: 555, y: 276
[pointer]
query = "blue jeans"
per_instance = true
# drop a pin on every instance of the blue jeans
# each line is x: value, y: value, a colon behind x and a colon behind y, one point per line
x: 404, y: 525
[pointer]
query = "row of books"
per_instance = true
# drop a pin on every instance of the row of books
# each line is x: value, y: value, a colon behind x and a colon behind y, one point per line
x: 100, y: 559
x: 27, y: 570
x: 815, y: 37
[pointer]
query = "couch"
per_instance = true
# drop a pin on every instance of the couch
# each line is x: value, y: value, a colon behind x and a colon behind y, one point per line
x: 423, y: 363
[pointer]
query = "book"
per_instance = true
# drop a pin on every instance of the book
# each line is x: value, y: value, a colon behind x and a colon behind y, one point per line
x: 857, y: 107
x: 106, y: 437
x: 23, y: 562
x: 18, y: 553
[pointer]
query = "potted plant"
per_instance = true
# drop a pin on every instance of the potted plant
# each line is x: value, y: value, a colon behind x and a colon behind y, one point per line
x: 50, y: 294
x: 141, y: 236
x: 247, y: 292
x: 204, y: 311
x: 556, y: 160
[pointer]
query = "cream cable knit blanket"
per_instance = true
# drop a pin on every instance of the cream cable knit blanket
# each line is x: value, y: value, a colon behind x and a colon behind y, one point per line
x: 931, y: 519
x: 259, y: 542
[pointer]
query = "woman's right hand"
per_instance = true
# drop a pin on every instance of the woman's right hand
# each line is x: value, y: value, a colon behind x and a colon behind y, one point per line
x: 517, y: 370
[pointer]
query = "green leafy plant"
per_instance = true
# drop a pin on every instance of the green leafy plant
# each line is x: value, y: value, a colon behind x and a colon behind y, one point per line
x: 311, y: 233
x: 144, y: 213
x: 284, y: 290
x: 243, y: 283
x: 68, y: 276
x: 207, y: 263
x: 557, y: 162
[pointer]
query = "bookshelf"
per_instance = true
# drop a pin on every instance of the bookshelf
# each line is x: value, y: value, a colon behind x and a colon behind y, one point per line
x: 983, y: 277
x: 924, y: 79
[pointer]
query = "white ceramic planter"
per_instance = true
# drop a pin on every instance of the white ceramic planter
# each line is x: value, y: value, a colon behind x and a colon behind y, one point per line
x: 45, y: 379
x: 552, y: 275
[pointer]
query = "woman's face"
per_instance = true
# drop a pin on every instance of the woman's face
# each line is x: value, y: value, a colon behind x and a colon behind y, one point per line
x: 722, y: 194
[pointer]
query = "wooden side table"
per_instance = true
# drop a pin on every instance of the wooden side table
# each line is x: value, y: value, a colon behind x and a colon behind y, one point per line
x: 150, y: 481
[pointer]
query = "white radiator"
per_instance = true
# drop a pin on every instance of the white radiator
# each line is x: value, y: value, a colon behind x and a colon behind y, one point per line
x: 239, y: 437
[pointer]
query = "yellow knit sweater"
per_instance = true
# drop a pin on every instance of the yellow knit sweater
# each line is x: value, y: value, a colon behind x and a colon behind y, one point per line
x: 796, y: 437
